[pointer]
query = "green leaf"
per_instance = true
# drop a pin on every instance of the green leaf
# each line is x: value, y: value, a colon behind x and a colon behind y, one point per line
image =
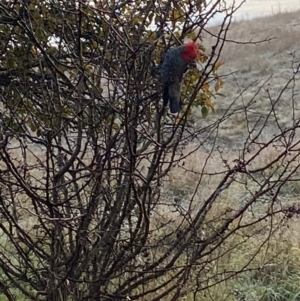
x: 116, y: 126
x: 204, y: 111
x: 41, y: 34
x: 10, y: 62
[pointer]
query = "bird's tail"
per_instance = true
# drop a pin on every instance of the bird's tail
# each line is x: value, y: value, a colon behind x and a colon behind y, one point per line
x: 166, y: 96
x: 175, y: 106
x: 174, y: 97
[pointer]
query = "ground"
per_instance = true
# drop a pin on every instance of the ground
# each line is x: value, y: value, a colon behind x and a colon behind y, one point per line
x: 248, y: 67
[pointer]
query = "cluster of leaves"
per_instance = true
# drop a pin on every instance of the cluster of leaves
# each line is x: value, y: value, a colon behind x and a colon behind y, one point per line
x: 50, y: 38
x: 208, y: 90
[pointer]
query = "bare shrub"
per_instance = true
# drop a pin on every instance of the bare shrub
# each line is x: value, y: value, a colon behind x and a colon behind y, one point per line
x: 103, y: 196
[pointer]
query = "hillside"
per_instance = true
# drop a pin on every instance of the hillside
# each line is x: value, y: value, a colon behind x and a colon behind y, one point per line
x: 271, y: 60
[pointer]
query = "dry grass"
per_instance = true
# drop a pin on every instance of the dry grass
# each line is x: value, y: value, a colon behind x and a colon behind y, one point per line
x: 272, y: 271
x: 283, y: 28
x: 279, y: 276
x: 250, y: 66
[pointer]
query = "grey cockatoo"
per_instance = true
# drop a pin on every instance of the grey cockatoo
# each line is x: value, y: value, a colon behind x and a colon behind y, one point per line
x: 174, y: 65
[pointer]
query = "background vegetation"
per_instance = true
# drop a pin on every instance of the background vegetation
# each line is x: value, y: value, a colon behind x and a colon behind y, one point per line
x: 103, y: 197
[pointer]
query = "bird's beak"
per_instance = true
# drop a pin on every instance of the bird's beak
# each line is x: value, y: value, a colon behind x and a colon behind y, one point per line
x: 193, y: 63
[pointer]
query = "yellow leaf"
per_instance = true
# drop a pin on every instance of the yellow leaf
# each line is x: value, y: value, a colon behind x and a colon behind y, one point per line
x: 34, y: 51
x: 202, y: 57
x: 210, y: 105
x: 137, y: 20
x: 205, y: 87
x: 177, y: 14
x: 218, y: 64
x: 116, y: 126
x: 191, y: 35
x: 89, y: 68
x: 193, y: 78
x: 219, y: 84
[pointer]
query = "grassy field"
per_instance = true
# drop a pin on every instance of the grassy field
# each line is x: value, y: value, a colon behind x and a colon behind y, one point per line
x: 254, y: 75
x: 247, y: 67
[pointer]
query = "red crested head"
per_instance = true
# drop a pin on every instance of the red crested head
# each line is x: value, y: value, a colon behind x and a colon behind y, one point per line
x: 190, y: 52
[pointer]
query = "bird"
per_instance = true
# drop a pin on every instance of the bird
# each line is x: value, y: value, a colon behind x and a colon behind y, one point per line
x: 174, y: 64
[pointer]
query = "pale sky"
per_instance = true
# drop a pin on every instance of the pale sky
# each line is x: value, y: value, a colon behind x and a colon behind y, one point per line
x: 256, y: 8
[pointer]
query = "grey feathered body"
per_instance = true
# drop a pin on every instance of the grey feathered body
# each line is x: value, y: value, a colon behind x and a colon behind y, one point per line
x: 171, y: 72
